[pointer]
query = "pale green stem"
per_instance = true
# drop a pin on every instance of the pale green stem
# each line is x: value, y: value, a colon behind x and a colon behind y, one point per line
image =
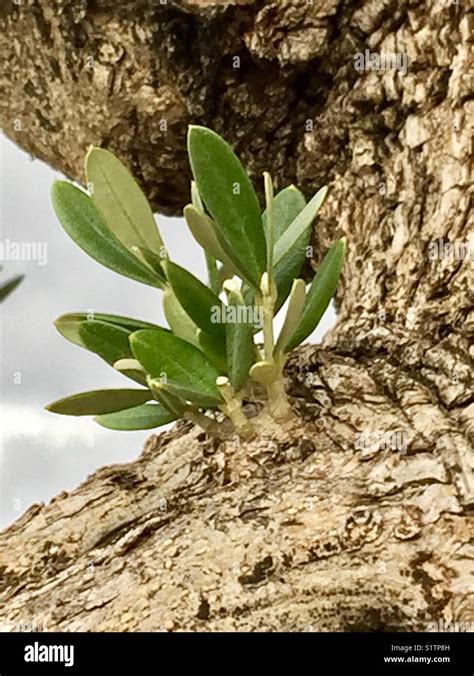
x: 277, y: 399
x: 233, y: 408
x: 266, y: 300
x: 268, y: 337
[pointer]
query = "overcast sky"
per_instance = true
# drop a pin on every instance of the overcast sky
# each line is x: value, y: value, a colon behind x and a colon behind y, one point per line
x: 42, y: 453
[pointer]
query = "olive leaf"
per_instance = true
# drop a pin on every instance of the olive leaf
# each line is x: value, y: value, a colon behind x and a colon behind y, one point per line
x: 143, y: 417
x: 239, y: 340
x: 299, y: 225
x: 198, y: 301
x: 132, y: 369
x: 211, y: 261
x: 84, y: 223
x: 206, y: 358
x: 191, y: 394
x: 179, y: 364
x: 202, y: 230
x: 111, y: 343
x: 98, y: 402
x: 8, y: 287
x: 153, y: 260
x: 214, y: 348
x: 169, y: 401
x: 320, y: 293
x: 179, y: 321
x: 121, y: 201
x: 108, y: 341
x: 287, y: 204
x: 293, y: 315
x: 230, y: 199
x: 68, y: 325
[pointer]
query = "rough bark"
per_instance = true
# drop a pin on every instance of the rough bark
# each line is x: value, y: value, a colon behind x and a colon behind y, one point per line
x: 297, y: 529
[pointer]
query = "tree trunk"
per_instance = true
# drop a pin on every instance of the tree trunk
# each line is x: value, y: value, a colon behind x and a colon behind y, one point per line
x: 357, y: 514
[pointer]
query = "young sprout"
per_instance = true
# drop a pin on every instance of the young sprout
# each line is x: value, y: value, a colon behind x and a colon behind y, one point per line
x: 204, y: 363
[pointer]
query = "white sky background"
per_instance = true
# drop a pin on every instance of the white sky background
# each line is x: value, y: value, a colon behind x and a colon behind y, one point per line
x: 42, y: 453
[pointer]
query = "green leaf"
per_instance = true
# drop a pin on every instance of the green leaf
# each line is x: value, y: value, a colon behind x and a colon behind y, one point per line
x: 198, y: 301
x: 287, y: 204
x: 154, y: 261
x: 196, y: 197
x: 320, y: 293
x: 144, y: 417
x: 177, y: 362
x: 202, y: 229
x: 299, y: 225
x: 8, y: 288
x: 225, y: 273
x: 171, y: 403
x: 213, y: 274
x: 270, y: 221
x: 179, y: 321
x: 98, y: 402
x: 231, y: 200
x: 293, y: 315
x: 108, y: 341
x: 132, y: 369
x: 111, y: 344
x: 240, y: 345
x: 84, y: 223
x: 68, y: 325
x: 189, y: 393
x: 214, y: 348
x: 121, y: 201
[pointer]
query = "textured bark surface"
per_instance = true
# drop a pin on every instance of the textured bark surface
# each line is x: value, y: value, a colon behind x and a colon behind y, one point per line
x: 298, y: 529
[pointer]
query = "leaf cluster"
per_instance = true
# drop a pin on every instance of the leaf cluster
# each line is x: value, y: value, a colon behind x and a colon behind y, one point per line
x: 208, y: 355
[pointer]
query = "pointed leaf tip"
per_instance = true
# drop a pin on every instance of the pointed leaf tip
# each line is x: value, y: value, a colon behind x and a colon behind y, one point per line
x: 84, y: 223
x: 320, y: 293
x: 229, y: 196
x: 121, y: 201
x: 98, y: 402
